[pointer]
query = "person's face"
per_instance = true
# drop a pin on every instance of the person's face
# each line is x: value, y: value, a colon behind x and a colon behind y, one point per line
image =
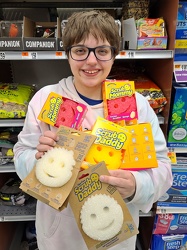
x: 90, y: 73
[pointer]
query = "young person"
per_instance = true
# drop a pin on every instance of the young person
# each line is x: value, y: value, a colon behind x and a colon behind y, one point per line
x: 91, y: 42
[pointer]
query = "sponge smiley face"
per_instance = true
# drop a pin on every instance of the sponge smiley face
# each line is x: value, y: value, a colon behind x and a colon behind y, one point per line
x: 101, y: 217
x: 55, y: 167
x: 98, y: 153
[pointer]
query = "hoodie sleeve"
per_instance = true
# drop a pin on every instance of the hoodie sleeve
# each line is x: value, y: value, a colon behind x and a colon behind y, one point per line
x: 151, y: 184
x: 25, y: 148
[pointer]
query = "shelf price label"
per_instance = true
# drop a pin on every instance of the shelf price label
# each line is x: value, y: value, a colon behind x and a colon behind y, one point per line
x: 2, y: 56
x: 58, y: 54
x: 180, y: 71
x: 127, y: 54
x: 29, y: 55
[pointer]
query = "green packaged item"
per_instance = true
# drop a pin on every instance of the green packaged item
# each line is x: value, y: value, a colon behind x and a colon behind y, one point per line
x: 14, y: 100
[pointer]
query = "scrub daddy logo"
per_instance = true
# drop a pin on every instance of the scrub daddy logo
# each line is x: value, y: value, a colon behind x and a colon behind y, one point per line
x: 88, y: 186
x: 113, y: 139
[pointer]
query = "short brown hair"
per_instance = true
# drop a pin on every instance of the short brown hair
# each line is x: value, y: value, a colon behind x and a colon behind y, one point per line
x: 100, y: 24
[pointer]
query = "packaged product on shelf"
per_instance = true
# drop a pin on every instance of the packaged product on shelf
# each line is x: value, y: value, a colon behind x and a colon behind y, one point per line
x: 175, y: 199
x: 170, y: 223
x: 14, y: 99
x: 181, y: 27
x: 145, y: 33
x: 174, y: 241
x: 11, y: 194
x: 11, y: 35
x: 177, y: 135
x: 137, y: 9
x: 39, y: 35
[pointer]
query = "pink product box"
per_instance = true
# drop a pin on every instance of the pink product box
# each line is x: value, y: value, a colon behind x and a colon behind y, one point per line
x: 170, y: 224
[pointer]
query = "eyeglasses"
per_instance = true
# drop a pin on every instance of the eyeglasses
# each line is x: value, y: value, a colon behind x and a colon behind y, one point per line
x: 81, y: 52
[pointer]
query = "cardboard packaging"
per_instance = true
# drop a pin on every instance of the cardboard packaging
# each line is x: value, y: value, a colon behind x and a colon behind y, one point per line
x: 177, y: 136
x: 58, y: 110
x: 133, y: 36
x: 111, y: 142
x: 11, y: 35
x: 140, y: 153
x: 86, y: 187
x: 70, y: 139
x: 31, y: 41
x: 120, y: 101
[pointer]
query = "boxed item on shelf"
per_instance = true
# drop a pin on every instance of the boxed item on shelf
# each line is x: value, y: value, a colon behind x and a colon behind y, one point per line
x: 177, y: 135
x: 39, y: 35
x: 170, y: 223
x: 167, y: 242
x: 11, y: 35
x: 145, y: 34
x: 175, y: 199
x: 181, y: 27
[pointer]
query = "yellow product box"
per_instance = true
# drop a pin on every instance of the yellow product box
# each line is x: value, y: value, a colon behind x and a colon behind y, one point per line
x: 119, y: 100
x: 58, y: 110
x: 44, y: 182
x: 101, y: 214
x: 111, y: 142
x: 140, y: 153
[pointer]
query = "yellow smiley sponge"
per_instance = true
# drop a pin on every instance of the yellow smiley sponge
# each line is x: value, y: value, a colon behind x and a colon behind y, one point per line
x: 101, y: 217
x: 55, y: 167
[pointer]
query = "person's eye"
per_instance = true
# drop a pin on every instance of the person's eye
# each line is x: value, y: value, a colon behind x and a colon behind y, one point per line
x: 80, y: 51
x: 103, y: 51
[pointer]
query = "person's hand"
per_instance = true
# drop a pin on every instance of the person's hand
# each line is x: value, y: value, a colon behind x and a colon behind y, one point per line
x: 46, y: 141
x: 123, y: 180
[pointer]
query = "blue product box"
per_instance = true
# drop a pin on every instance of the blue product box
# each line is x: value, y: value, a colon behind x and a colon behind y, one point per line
x: 169, y: 242
x: 170, y: 224
x: 182, y: 10
x: 177, y: 136
x: 176, y: 196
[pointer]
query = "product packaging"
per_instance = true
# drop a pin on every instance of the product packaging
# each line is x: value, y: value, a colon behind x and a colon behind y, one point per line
x: 120, y: 101
x: 70, y: 139
x: 110, y: 145
x: 58, y: 110
x: 101, y: 215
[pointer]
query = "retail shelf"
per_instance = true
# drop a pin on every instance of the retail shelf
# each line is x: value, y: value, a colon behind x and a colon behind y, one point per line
x: 11, y: 122
x: 55, y: 55
x: 7, y: 168
x: 178, y: 150
x: 18, y: 213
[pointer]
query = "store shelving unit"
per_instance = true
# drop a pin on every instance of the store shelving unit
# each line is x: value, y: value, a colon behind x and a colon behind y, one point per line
x: 158, y: 64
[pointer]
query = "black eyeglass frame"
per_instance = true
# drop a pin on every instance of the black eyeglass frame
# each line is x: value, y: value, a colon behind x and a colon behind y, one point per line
x: 113, y: 49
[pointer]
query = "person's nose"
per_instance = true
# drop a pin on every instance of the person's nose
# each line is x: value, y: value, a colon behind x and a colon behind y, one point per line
x: 91, y: 58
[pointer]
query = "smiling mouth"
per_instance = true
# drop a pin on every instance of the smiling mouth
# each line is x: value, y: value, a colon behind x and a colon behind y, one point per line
x: 91, y: 71
x: 98, y: 161
x: 104, y: 228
